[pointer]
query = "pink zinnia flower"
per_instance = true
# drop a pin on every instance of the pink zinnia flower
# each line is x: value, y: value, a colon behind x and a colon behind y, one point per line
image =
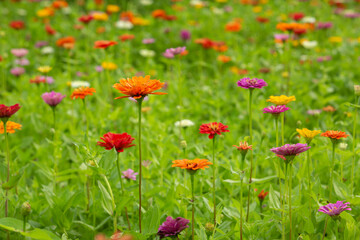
x: 334, y: 209
x: 172, y: 227
x: 290, y: 151
x: 275, y: 110
x: 17, y: 71
x: 52, y: 98
x: 129, y: 174
x: 19, y: 52
x: 251, y: 83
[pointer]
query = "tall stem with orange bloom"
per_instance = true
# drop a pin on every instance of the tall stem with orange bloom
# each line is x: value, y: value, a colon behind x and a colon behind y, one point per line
x: 332, y: 169
x: 193, y: 205
x: 140, y: 100
x: 251, y: 154
x: 7, y: 149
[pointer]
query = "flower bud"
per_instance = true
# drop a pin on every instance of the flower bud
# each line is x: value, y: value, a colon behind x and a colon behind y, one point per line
x: 25, y: 209
x: 183, y: 144
x: 343, y: 146
x: 209, y: 227
x: 357, y: 90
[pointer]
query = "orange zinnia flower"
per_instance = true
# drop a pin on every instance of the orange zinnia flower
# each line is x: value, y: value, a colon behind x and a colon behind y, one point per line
x: 82, y: 92
x: 334, y: 134
x: 66, y: 42
x: 138, y: 87
x: 126, y: 37
x: 104, y: 44
x: 10, y: 127
x: 193, y: 165
x: 233, y: 26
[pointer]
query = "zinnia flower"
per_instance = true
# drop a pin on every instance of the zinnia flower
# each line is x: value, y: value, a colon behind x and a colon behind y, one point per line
x: 213, y: 128
x: 251, y: 83
x: 308, y: 134
x: 19, y: 52
x: 66, y: 42
x: 10, y: 127
x: 6, y: 112
x: 334, y: 209
x: 44, y: 69
x: 281, y: 100
x: 184, y: 123
x: 275, y: 110
x: 185, y: 35
x: 52, y: 98
x: 17, y: 71
x: 138, y: 87
x: 243, y: 147
x: 334, y: 135
x: 262, y: 195
x: 104, y: 44
x: 290, y: 151
x: 129, y: 174
x: 192, y: 165
x: 172, y: 227
x: 119, y: 141
x: 82, y: 92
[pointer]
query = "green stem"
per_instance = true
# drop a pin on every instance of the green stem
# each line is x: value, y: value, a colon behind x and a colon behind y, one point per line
x: 214, y: 177
x: 332, y: 169
x: 8, y: 165
x: 193, y: 206
x: 122, y: 186
x: 326, y: 222
x: 140, y: 169
x: 241, y: 196
x: 24, y: 223
x: 277, y: 130
x: 353, y: 150
x: 282, y: 128
x: 55, y: 146
x: 251, y: 153
x: 309, y: 180
x: 93, y: 201
x: 87, y: 122
x: 290, y: 188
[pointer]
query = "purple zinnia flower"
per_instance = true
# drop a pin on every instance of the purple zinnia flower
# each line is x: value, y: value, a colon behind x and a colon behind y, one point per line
x: 175, y: 51
x: 172, y: 227
x: 314, y: 111
x: 168, y: 55
x: 22, y: 61
x: 99, y: 68
x: 251, y: 83
x: 290, y: 151
x: 334, y: 209
x: 148, y: 40
x: 129, y: 174
x: 17, y: 71
x: 52, y: 98
x: 41, y: 44
x: 351, y: 14
x: 324, y: 25
x: 275, y: 110
x: 185, y: 35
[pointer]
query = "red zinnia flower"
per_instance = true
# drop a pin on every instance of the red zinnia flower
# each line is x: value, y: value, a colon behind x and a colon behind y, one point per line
x: 104, y: 44
x: 213, y: 128
x: 119, y: 141
x: 49, y: 30
x: 126, y: 37
x: 17, y: 25
x: 262, y: 19
x: 297, y: 16
x: 6, y: 112
x: 86, y: 19
x: 262, y: 195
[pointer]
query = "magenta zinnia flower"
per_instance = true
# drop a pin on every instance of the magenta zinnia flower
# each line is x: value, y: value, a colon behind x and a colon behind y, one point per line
x: 17, y: 71
x: 290, y: 151
x: 251, y: 83
x: 19, y: 52
x: 172, y: 227
x: 275, y: 110
x: 52, y: 98
x: 334, y: 209
x: 129, y: 174
x: 171, y: 52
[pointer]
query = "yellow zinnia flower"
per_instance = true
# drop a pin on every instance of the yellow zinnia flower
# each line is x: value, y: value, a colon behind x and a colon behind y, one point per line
x: 100, y: 16
x: 109, y: 65
x: 44, y: 69
x: 281, y: 100
x: 10, y: 127
x: 112, y: 8
x: 335, y: 39
x: 308, y: 134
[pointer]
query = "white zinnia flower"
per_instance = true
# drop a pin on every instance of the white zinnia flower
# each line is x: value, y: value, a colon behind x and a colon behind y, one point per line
x: 147, y: 53
x: 47, y: 50
x: 77, y: 84
x: 308, y: 19
x: 184, y: 123
x: 309, y: 44
x: 124, y: 24
x: 146, y: 2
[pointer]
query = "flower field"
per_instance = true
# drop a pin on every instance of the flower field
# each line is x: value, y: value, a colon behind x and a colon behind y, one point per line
x: 179, y: 119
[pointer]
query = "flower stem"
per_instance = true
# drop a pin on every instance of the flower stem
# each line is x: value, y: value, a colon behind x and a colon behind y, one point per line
x: 55, y: 146
x: 332, y: 169
x: 282, y: 128
x: 309, y: 180
x: 214, y: 177
x: 87, y: 123
x: 241, y: 196
x: 326, y: 222
x: 140, y: 169
x: 8, y: 165
x: 251, y: 153
x: 122, y: 187
x: 193, y: 206
x: 353, y: 149
x: 290, y: 188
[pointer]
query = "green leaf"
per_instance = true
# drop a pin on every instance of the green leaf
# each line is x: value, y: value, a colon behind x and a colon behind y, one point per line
x: 12, y: 224
x: 40, y: 234
x: 106, y: 201
x: 265, y: 179
x: 107, y: 160
x: 12, y: 181
x: 273, y: 199
x: 151, y: 220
